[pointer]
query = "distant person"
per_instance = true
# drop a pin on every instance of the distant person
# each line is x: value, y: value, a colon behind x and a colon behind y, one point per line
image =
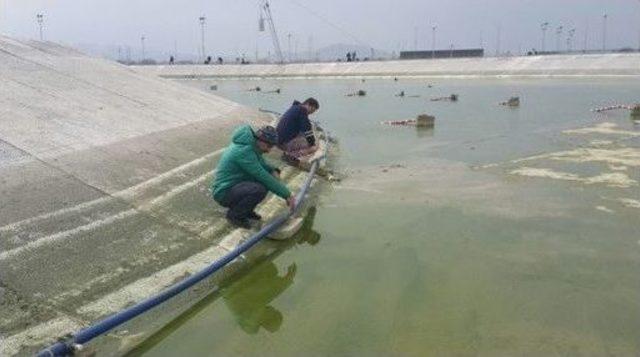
x: 353, y: 56
x: 295, y: 133
x: 220, y: 61
x: 348, y: 56
x: 170, y: 59
x: 243, y: 177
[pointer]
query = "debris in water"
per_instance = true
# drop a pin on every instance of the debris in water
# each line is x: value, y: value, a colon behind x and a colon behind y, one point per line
x: 402, y: 94
x: 421, y: 121
x: 512, y: 102
x: 359, y: 93
x: 451, y: 98
x: 213, y: 87
x: 634, y: 109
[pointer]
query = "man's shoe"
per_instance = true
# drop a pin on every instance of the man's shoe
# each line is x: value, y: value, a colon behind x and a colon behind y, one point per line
x: 240, y: 223
x: 253, y: 215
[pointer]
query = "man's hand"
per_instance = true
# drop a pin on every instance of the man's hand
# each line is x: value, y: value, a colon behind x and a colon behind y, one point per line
x: 291, y: 202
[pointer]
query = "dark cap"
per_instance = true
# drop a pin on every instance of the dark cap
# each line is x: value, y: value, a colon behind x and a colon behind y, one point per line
x: 267, y: 134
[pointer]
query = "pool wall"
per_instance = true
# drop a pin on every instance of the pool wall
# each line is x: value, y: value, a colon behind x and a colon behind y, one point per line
x: 627, y: 64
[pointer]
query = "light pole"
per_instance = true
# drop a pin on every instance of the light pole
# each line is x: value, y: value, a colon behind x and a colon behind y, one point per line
x: 202, y: 20
x: 40, y: 19
x: 498, y: 35
x: 558, y: 36
x: 433, y: 41
x: 543, y: 27
x: 289, y: 46
x: 142, y: 38
x: 604, y: 32
x: 639, y: 29
x: 570, y: 39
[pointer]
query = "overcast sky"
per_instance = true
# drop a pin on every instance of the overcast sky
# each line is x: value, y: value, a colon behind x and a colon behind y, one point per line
x: 232, y: 25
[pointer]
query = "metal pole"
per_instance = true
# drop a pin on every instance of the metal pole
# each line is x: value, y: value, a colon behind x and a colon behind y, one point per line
x: 499, y: 30
x: 586, y: 36
x: 604, y: 32
x: 202, y: 20
x: 639, y: 27
x: 142, y: 41
x: 433, y: 41
x: 570, y: 40
x: 543, y: 27
x: 558, y: 35
x: 289, y: 46
x: 40, y: 19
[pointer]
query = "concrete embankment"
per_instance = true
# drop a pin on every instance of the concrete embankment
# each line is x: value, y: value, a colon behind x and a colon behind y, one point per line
x: 104, y: 200
x: 559, y: 65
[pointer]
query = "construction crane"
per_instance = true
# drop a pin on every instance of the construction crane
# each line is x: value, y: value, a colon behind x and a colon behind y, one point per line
x: 266, y: 12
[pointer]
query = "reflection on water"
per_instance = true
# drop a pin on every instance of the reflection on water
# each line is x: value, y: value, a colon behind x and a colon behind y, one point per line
x: 425, y: 132
x: 249, y: 297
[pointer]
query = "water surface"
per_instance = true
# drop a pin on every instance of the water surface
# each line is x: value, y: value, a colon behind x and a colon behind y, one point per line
x: 495, y: 233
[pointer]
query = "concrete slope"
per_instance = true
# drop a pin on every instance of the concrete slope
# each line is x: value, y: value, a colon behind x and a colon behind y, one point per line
x: 586, y: 65
x: 104, y: 176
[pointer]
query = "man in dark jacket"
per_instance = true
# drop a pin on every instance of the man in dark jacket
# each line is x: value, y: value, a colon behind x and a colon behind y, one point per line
x: 295, y: 133
x: 243, y: 177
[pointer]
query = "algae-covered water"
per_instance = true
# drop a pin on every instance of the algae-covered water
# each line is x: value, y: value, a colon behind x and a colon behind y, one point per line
x: 501, y: 231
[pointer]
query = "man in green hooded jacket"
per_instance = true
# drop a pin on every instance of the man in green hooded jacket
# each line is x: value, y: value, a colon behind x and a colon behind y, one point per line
x: 243, y: 177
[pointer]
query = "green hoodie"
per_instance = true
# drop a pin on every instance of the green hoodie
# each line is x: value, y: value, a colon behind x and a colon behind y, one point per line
x: 242, y: 161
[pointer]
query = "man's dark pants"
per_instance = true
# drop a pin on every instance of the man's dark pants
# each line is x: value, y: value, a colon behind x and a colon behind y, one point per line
x: 242, y: 199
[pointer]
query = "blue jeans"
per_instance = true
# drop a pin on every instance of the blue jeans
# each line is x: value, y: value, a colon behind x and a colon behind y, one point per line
x: 242, y: 199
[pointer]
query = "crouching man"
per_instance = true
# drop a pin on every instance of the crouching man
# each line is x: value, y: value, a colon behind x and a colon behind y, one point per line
x: 243, y: 177
x: 295, y: 133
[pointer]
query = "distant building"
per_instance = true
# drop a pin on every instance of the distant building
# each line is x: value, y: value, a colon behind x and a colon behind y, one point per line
x: 466, y: 52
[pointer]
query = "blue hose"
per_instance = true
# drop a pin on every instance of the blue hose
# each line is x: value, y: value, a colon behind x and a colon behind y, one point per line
x: 65, y: 348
